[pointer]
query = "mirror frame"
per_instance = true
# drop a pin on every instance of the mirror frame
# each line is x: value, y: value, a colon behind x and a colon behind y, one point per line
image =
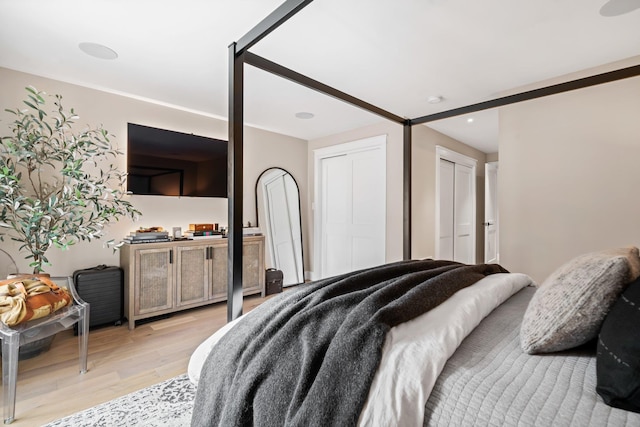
x: 299, y: 211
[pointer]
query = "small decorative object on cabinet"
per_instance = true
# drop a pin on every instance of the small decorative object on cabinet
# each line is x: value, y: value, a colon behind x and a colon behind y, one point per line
x: 161, y: 278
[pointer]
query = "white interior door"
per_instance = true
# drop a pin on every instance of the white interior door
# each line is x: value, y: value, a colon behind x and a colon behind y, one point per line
x: 455, y: 206
x: 491, y: 240
x: 350, y: 209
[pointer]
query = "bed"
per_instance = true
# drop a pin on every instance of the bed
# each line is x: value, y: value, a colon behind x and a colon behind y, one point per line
x: 484, y: 365
x: 459, y: 363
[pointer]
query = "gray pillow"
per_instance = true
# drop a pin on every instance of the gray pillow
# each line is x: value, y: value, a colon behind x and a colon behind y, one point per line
x: 569, y: 307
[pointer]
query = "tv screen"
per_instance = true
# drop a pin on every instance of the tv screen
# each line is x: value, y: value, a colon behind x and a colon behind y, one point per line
x: 168, y: 163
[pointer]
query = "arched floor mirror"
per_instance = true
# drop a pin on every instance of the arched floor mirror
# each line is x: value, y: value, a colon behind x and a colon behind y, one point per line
x: 278, y: 214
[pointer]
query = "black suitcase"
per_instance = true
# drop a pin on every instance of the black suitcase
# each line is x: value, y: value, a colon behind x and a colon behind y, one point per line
x: 273, y: 281
x: 103, y: 288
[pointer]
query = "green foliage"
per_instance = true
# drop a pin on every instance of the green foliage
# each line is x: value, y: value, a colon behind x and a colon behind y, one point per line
x: 57, y: 187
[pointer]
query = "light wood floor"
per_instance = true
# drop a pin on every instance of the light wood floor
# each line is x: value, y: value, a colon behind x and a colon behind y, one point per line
x: 120, y: 361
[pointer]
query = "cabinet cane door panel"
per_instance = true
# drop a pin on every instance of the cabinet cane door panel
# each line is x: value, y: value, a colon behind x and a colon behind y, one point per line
x: 219, y: 272
x: 154, y: 275
x: 251, y: 271
x: 193, y: 275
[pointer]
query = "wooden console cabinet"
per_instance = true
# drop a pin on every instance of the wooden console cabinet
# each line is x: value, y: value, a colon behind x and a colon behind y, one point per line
x: 161, y: 278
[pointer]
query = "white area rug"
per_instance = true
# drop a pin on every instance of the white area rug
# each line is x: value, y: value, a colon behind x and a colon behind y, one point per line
x: 168, y: 403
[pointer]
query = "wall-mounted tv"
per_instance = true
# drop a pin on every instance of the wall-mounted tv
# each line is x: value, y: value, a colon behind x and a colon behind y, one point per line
x: 168, y: 163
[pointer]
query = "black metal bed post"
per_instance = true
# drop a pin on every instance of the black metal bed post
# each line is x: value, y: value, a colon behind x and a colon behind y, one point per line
x: 234, y: 185
x: 237, y: 52
x: 406, y: 190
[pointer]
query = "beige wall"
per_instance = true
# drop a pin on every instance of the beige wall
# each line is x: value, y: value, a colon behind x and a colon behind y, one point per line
x: 262, y: 150
x: 425, y: 140
x: 569, y: 177
x: 492, y: 157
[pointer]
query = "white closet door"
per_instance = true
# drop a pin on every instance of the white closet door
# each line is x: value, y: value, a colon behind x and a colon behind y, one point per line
x: 455, y: 206
x: 336, y: 253
x: 463, y: 216
x: 368, y: 212
x: 447, y: 185
x: 353, y: 211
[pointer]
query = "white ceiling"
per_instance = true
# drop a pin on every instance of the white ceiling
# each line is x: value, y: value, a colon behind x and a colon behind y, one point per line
x: 393, y: 54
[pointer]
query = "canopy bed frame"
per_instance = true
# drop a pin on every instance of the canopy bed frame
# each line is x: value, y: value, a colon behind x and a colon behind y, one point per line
x: 239, y: 55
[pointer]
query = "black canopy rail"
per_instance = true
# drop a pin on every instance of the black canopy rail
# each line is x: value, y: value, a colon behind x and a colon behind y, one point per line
x: 239, y: 55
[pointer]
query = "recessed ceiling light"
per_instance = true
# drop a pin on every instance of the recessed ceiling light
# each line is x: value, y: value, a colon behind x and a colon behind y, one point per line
x: 98, y: 50
x: 305, y: 115
x: 470, y: 120
x: 619, y: 7
x: 434, y: 99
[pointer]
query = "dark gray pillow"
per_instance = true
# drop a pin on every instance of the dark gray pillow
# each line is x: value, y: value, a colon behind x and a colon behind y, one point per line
x: 569, y: 307
x: 618, y: 359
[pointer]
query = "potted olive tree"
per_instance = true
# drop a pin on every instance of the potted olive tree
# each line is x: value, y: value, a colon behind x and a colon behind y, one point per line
x: 57, y: 186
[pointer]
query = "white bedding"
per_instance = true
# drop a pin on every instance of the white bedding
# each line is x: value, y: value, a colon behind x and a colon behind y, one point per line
x: 414, y: 352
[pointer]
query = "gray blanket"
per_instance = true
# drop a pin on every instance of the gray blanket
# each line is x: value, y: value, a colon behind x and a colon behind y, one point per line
x: 307, y: 358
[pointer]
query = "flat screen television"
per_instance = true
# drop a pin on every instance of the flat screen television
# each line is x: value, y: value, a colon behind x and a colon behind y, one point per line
x: 168, y: 163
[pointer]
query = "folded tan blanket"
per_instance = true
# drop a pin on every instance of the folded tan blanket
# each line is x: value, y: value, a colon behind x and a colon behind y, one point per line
x: 29, y: 297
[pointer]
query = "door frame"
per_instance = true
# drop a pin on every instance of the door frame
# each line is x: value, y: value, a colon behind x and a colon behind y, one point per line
x: 365, y: 144
x: 443, y: 153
